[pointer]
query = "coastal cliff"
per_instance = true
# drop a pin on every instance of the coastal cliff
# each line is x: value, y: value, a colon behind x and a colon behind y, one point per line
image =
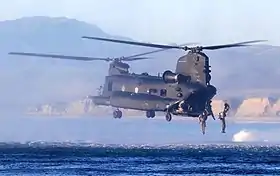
x: 254, y: 108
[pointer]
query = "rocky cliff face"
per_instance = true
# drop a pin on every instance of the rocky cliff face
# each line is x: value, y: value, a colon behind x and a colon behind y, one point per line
x: 247, y: 109
x: 77, y: 108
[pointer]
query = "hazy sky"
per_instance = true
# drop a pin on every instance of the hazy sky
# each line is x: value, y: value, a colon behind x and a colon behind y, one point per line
x: 164, y: 21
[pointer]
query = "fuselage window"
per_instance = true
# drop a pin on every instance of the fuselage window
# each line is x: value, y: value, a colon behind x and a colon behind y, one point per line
x: 163, y: 92
x: 110, y: 86
x: 154, y: 91
x: 123, y: 88
x: 136, y: 90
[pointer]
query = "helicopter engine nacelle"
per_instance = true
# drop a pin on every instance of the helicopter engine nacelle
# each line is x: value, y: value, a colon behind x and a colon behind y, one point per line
x: 171, y: 78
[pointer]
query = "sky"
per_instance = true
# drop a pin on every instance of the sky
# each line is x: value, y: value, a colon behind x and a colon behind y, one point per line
x: 164, y: 21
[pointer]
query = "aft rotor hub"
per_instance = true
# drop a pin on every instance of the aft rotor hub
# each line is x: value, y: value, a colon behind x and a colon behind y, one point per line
x: 194, y: 49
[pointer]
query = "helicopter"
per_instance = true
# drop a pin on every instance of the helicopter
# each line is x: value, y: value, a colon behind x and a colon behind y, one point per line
x: 189, y: 90
x: 185, y: 92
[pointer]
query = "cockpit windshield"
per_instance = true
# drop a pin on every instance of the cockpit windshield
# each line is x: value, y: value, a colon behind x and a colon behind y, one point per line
x: 123, y: 70
x: 122, y: 67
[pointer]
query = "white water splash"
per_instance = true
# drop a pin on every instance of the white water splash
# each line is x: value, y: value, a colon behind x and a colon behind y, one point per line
x: 244, y: 136
x: 256, y: 136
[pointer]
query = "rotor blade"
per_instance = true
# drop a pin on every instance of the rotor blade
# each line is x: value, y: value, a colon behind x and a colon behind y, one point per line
x: 240, y: 44
x: 134, y: 43
x: 159, y: 50
x: 150, y: 52
x: 134, y: 58
x: 60, y: 56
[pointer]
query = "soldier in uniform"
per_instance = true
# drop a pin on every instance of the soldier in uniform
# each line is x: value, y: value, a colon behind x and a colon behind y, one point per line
x: 203, y: 117
x: 202, y: 120
x: 222, y: 116
x: 99, y: 90
x: 226, y: 108
x: 208, y: 109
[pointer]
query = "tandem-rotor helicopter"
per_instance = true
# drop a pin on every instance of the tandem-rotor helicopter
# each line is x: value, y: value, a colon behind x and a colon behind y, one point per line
x: 185, y: 92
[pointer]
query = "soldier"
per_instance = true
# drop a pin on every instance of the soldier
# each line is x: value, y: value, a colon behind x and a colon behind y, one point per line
x: 180, y: 107
x: 222, y: 116
x: 209, y: 109
x: 202, y: 120
x: 99, y: 90
x: 226, y: 108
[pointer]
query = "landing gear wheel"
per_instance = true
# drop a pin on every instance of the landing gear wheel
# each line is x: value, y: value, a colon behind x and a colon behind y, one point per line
x: 117, y: 114
x: 168, y: 116
x: 153, y: 114
x: 150, y: 114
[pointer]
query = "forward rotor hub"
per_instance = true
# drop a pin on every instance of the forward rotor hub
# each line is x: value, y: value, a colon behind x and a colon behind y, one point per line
x: 196, y: 49
x: 117, y: 59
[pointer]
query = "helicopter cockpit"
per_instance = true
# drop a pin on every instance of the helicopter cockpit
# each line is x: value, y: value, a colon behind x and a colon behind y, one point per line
x: 123, y: 70
x: 119, y: 68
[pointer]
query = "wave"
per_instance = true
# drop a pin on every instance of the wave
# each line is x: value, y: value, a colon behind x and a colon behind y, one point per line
x: 243, y: 143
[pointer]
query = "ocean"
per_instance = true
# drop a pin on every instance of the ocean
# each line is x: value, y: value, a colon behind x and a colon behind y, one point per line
x: 135, y: 146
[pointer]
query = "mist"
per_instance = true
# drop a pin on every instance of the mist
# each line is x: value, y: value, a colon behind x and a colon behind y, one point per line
x: 130, y: 131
